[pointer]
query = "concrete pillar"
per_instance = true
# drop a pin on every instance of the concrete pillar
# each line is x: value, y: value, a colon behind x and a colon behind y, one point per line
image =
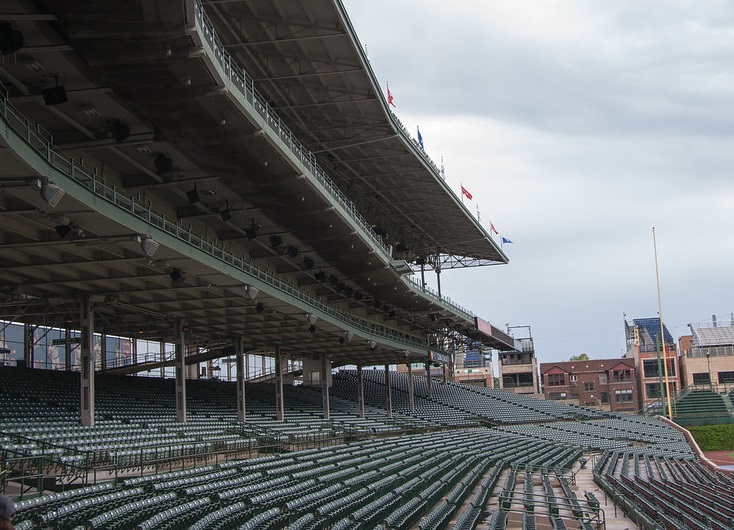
x: 180, y: 349
x: 86, y: 362
x: 411, y: 392
x: 388, y: 392
x: 360, y: 391
x: 247, y: 367
x: 262, y: 370
x: 279, y: 406
x: 324, y: 377
x: 428, y: 380
x: 240, y: 379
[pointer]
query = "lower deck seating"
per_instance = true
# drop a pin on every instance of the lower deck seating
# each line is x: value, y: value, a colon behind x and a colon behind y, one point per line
x: 444, y: 473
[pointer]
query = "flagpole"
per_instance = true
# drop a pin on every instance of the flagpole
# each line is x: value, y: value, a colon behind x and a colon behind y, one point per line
x: 462, y: 191
x: 662, y: 332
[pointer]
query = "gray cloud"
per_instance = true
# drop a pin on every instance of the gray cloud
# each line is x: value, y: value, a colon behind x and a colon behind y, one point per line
x: 577, y: 126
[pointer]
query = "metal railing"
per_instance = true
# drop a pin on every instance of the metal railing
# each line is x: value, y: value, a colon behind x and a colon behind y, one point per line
x: 257, y: 102
x: 723, y: 350
x: 441, y: 299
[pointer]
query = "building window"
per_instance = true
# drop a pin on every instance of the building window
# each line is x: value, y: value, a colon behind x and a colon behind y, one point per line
x: 621, y: 376
x: 556, y: 379
x: 557, y: 395
x: 603, y: 378
x: 652, y: 390
x: 701, y: 379
x: 588, y: 387
x: 623, y: 396
x: 650, y: 367
x: 605, y: 397
x: 726, y: 377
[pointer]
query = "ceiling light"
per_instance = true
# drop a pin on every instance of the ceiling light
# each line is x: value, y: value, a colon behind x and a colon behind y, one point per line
x: 51, y: 193
x: 252, y: 291
x: 148, y: 245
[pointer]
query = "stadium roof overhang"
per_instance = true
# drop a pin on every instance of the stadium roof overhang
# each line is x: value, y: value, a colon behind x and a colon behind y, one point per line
x: 305, y: 58
x: 145, y: 107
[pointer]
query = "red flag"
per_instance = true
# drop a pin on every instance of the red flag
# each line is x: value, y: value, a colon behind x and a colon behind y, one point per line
x: 466, y: 193
x: 494, y: 229
x: 389, y: 97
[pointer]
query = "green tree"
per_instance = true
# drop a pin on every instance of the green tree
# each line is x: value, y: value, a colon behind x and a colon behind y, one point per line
x: 579, y: 357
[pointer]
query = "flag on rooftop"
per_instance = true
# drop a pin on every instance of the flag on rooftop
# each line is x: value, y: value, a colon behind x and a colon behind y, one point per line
x: 420, y: 138
x: 466, y: 193
x: 389, y: 97
x: 505, y: 240
x: 494, y: 230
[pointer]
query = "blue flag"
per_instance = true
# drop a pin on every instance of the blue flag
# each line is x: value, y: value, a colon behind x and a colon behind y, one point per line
x: 420, y: 138
x: 505, y: 240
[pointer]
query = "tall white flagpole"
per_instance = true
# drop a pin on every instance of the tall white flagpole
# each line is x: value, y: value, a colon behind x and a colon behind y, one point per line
x: 662, y: 332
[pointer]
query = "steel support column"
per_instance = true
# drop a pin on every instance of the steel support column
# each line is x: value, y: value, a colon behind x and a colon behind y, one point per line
x: 388, y: 392
x: 324, y: 377
x: 86, y: 362
x: 279, y: 406
x: 360, y: 391
x: 240, y: 353
x: 428, y: 380
x: 180, y: 351
x: 411, y: 391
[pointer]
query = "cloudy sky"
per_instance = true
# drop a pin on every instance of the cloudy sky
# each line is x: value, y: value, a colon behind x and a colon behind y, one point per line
x: 577, y: 126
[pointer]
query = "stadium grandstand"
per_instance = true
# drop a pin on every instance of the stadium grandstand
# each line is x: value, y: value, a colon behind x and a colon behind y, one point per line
x: 224, y: 179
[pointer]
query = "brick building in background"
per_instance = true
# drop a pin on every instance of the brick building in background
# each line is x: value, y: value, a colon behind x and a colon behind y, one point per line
x: 606, y: 383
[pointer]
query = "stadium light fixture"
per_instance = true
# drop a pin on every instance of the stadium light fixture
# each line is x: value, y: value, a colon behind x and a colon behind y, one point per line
x: 252, y: 291
x: 148, y: 245
x: 51, y: 193
x: 311, y: 318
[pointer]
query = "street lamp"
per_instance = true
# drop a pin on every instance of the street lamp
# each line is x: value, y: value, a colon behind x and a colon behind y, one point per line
x: 595, y: 399
x: 708, y: 361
